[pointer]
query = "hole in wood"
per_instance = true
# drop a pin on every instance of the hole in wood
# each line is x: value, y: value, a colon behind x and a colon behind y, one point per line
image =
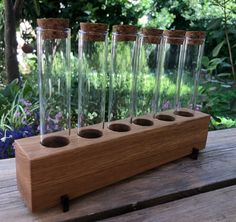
x: 90, y: 133
x: 184, y: 113
x: 143, y: 122
x: 165, y: 117
x: 119, y: 127
x: 55, y: 141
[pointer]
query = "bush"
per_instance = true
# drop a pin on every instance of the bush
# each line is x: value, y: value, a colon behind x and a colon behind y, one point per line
x: 19, y: 116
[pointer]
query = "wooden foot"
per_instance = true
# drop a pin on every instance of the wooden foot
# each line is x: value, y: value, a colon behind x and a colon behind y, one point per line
x: 194, y: 154
x: 65, y: 203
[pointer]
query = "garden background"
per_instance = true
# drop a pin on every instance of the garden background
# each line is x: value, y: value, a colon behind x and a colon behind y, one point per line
x: 19, y: 105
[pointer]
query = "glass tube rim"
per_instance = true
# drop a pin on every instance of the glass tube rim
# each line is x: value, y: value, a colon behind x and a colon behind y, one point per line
x: 195, y: 38
x: 174, y: 37
x: 40, y: 29
x: 124, y: 34
x: 144, y: 36
x: 92, y: 32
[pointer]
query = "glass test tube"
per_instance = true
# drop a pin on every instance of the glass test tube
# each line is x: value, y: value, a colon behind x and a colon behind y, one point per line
x: 53, y: 48
x: 121, y: 97
x: 188, y: 82
x: 170, y: 64
x: 92, y: 53
x: 146, y: 79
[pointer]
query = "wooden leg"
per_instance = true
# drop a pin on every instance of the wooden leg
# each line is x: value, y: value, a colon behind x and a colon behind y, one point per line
x: 65, y: 202
x: 194, y: 154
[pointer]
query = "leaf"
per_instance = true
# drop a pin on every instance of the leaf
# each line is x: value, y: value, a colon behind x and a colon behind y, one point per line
x: 216, y: 61
x: 217, y: 119
x: 224, y: 74
x: 225, y: 86
x: 233, y: 31
x: 225, y: 64
x: 217, y: 49
x: 205, y: 61
x: 11, y: 89
x: 36, y: 7
x: 215, y: 24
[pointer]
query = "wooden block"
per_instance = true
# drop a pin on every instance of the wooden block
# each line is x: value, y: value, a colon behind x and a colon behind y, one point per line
x: 46, y: 174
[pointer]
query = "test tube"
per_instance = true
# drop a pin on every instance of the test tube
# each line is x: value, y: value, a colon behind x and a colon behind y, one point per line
x: 189, y: 77
x: 92, y: 54
x: 123, y: 61
x: 53, y: 49
x: 146, y: 79
x: 169, y: 69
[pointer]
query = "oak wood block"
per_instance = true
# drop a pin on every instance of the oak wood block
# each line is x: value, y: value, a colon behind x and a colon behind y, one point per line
x: 45, y: 174
x: 179, y: 179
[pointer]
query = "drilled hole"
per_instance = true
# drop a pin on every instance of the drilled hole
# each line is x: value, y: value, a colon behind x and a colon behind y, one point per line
x: 165, y: 117
x: 143, y: 122
x: 55, y: 141
x: 90, y: 133
x: 119, y: 127
x: 183, y: 113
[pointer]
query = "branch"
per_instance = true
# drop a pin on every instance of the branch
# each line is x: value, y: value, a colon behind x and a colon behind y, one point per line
x: 17, y: 8
x: 229, y: 45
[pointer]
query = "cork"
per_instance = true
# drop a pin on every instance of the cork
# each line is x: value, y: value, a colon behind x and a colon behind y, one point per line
x: 125, y: 32
x: 175, y: 36
x: 93, y: 31
x: 151, y: 35
x: 93, y: 27
x: 195, y: 37
x: 54, y: 28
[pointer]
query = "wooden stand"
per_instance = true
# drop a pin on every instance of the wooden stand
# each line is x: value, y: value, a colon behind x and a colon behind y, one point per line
x: 44, y: 175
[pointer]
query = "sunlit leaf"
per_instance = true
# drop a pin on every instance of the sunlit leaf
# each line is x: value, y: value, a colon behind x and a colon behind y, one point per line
x: 217, y: 49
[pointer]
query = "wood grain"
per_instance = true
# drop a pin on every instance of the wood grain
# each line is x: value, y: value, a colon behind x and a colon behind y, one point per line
x: 185, y: 177
x: 218, y: 205
x: 44, y: 174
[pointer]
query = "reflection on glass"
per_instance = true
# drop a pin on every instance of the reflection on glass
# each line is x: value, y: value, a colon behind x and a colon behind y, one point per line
x: 188, y: 82
x: 121, y: 92
x: 53, y: 48
x: 92, y: 53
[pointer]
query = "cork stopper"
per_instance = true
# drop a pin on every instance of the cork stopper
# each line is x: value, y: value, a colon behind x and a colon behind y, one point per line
x: 175, y: 36
x: 152, y: 35
x: 125, y: 32
x: 93, y: 31
x: 54, y: 28
x: 195, y: 37
x: 93, y: 27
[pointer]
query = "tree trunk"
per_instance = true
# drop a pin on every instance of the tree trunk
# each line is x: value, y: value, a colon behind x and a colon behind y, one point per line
x: 11, y: 62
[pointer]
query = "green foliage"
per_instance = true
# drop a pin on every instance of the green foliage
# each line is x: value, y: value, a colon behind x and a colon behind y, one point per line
x: 219, y: 100
x: 2, y: 69
x: 13, y: 112
x: 222, y: 122
x: 217, y: 92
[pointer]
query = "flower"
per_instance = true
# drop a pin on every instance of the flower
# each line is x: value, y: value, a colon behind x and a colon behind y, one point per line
x: 25, y: 102
x: 17, y: 114
x: 58, y: 116
x: 7, y: 138
x: 166, y: 105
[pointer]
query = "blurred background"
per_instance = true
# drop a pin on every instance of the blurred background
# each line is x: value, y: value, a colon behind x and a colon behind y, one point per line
x: 19, y: 105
